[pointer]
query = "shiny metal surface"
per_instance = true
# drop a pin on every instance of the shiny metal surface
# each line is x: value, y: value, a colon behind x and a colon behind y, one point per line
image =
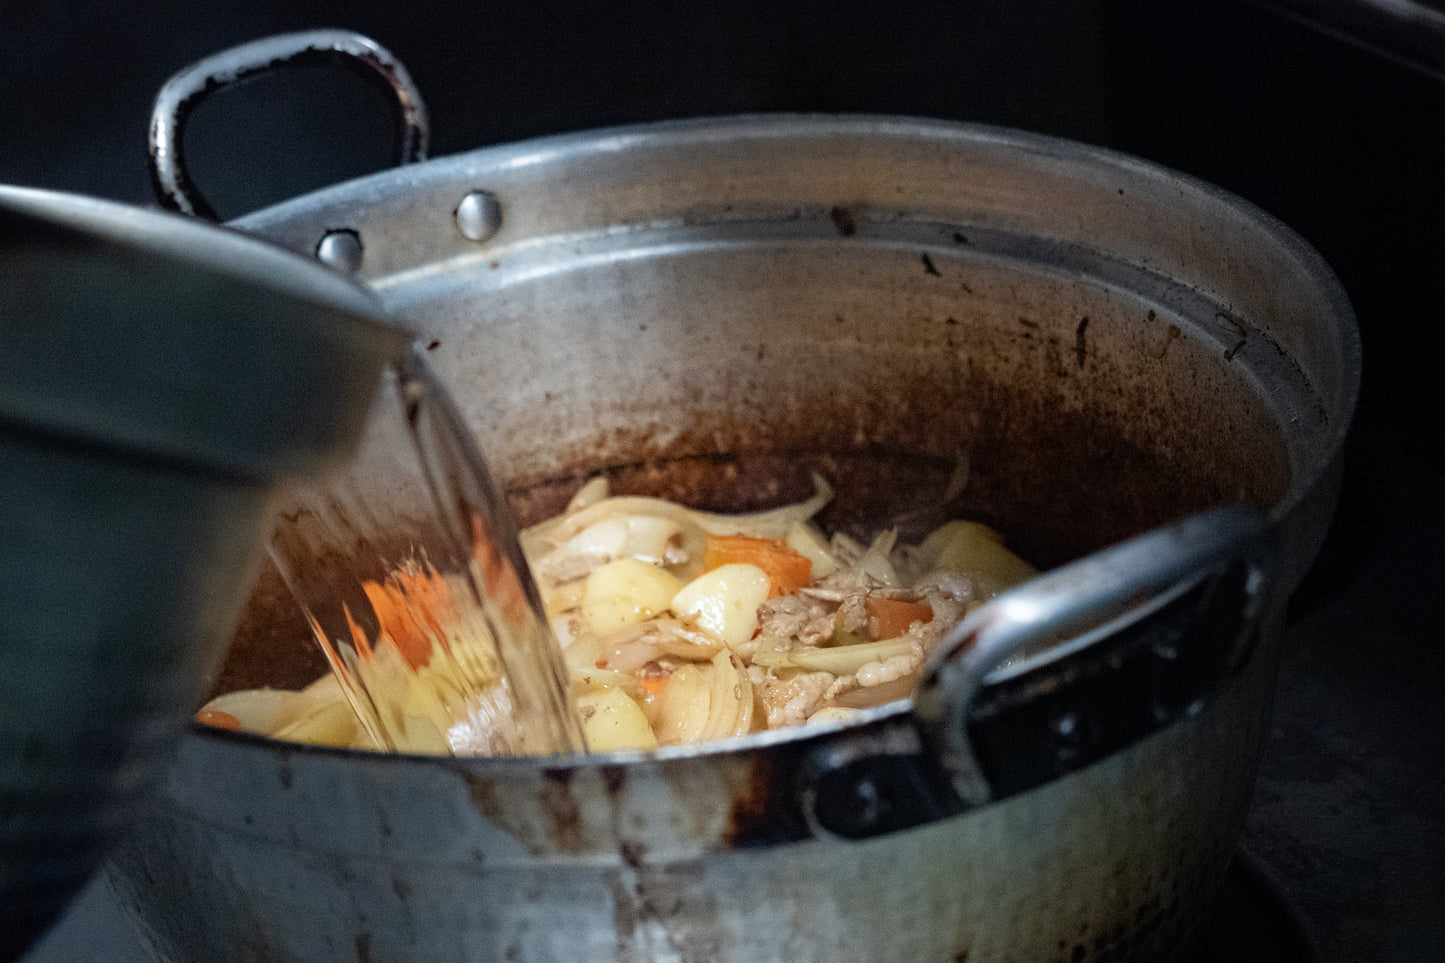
x: 1109, y: 344
x: 479, y: 216
x: 159, y: 379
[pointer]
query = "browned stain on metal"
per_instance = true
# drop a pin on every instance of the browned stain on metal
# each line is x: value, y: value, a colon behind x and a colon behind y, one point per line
x: 632, y: 853
x: 843, y: 220
x: 763, y: 807
x: 624, y: 915
x: 284, y: 773
x: 563, y: 813
x: 1171, y: 334
x: 484, y: 796
x: 614, y: 782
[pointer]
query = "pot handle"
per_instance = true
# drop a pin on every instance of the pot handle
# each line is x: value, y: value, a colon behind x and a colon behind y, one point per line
x: 180, y: 95
x: 1175, y: 611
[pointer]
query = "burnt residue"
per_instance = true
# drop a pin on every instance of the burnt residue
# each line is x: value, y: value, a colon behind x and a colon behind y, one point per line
x: 665, y: 905
x: 843, y: 221
x: 929, y: 267
x: 564, y: 815
x: 484, y: 797
x: 632, y: 853
x: 1171, y: 334
x: 764, y: 806
x: 363, y: 948
x: 625, y: 917
x: 1081, y: 345
x: 614, y: 783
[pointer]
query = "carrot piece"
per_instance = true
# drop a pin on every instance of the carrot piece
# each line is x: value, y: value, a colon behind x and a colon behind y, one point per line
x: 218, y: 719
x: 654, y: 683
x: 412, y: 608
x: 889, y: 618
x: 787, y: 569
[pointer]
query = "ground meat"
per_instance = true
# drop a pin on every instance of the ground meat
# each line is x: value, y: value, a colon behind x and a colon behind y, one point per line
x: 842, y: 684
x: 795, y: 618
x: 789, y: 699
x: 951, y: 597
x: 878, y: 673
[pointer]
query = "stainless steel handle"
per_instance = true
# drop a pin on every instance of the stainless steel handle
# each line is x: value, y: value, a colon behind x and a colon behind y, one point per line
x: 1153, y: 589
x: 180, y: 95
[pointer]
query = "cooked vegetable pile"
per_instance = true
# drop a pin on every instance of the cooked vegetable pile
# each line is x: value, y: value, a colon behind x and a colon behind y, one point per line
x: 682, y: 626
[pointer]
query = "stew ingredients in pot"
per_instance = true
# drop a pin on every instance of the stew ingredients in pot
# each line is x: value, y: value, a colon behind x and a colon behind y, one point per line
x: 682, y: 626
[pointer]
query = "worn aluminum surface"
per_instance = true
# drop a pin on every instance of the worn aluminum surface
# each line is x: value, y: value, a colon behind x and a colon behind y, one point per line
x: 185, y: 91
x: 159, y: 379
x: 710, y: 310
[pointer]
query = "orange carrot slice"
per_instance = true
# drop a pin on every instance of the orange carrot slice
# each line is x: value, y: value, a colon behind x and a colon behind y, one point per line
x: 787, y: 569
x: 654, y: 683
x: 889, y: 618
x: 218, y: 719
x: 412, y: 607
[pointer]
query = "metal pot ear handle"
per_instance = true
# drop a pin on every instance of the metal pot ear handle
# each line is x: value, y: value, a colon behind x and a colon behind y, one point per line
x: 1176, y: 609
x: 185, y: 90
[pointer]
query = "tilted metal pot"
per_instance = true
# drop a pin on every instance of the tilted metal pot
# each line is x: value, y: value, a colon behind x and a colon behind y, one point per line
x: 160, y: 380
x: 710, y: 310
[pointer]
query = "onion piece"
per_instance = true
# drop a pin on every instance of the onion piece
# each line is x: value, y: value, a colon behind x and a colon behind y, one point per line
x: 592, y: 491
x: 268, y: 711
x: 705, y: 702
x: 839, y: 659
x: 772, y: 523
x: 683, y: 706
x: 633, y: 646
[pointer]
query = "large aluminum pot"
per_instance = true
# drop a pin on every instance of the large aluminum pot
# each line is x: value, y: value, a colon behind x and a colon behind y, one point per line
x: 710, y: 310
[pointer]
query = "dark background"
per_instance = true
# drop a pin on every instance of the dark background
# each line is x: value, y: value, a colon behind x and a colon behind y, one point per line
x: 1328, y: 113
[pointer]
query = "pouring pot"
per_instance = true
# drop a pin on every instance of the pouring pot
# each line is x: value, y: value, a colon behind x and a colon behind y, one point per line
x: 709, y: 311
x: 160, y: 379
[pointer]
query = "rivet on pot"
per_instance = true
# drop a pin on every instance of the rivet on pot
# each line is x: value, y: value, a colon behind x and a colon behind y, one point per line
x: 340, y: 249
x: 479, y: 216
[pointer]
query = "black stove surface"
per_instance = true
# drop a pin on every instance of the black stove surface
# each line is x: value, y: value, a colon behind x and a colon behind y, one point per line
x: 1253, y: 921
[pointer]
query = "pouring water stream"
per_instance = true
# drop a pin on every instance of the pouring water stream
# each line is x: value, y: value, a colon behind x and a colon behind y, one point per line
x: 432, y: 625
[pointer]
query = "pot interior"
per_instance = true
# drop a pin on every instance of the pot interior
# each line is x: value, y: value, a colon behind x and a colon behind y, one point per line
x: 927, y: 372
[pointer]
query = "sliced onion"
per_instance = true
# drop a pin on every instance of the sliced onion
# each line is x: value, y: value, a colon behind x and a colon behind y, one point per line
x: 633, y: 646
x: 683, y: 707
x: 839, y: 659
x: 705, y: 702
